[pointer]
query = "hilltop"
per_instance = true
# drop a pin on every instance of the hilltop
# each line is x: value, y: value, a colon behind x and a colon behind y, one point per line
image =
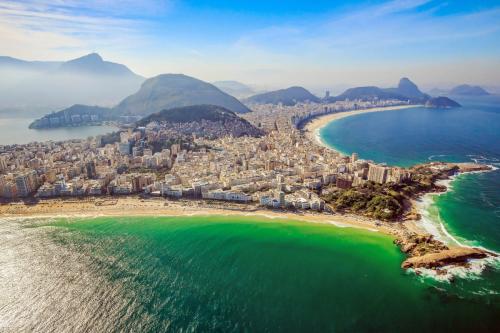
x: 289, y: 96
x: 202, y: 121
x: 168, y: 91
x: 468, y: 90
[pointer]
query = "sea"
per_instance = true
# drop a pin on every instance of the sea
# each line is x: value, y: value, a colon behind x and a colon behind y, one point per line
x: 258, y: 274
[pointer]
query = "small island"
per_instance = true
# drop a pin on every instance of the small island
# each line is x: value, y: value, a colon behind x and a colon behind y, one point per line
x: 441, y: 102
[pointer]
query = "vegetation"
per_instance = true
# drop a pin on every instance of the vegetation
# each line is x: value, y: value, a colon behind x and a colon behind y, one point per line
x: 388, y: 201
x: 374, y: 200
x: 192, y: 113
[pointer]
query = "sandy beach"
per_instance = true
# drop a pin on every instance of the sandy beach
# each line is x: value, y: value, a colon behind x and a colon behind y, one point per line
x: 135, y: 206
x: 313, y: 127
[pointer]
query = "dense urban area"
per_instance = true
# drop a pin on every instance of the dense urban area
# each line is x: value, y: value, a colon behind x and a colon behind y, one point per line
x: 283, y: 168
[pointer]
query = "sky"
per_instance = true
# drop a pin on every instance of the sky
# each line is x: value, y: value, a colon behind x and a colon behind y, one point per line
x: 316, y: 44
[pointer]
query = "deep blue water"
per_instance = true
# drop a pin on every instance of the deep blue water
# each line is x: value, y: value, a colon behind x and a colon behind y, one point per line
x: 471, y: 209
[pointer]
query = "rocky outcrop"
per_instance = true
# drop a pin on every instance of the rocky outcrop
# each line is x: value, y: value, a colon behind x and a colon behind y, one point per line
x: 426, y: 252
x: 415, y: 245
x: 455, y: 256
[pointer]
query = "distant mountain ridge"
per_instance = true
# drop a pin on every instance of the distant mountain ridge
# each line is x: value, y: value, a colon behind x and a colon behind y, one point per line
x: 289, y: 96
x: 6, y: 61
x: 234, y: 88
x: 461, y: 90
x: 85, y: 80
x: 468, y: 90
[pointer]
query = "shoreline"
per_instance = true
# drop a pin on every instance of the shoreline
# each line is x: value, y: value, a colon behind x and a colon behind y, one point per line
x: 135, y: 206
x: 418, y: 227
x: 312, y: 128
x: 427, y: 200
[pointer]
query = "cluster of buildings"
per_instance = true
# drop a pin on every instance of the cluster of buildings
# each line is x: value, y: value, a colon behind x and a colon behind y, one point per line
x: 270, y: 116
x: 282, y: 169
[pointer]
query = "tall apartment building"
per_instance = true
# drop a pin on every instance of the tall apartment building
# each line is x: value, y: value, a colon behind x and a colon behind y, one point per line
x: 377, y: 174
x: 26, y: 183
x: 3, y: 163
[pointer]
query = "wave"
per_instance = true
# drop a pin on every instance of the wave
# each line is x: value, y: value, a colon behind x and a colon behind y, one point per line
x: 430, y: 158
x: 473, y: 271
x: 432, y: 223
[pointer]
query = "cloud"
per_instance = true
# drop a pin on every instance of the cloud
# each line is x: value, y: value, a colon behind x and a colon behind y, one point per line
x: 69, y: 27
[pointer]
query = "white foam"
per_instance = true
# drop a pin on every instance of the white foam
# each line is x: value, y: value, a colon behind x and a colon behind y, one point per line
x: 434, y: 225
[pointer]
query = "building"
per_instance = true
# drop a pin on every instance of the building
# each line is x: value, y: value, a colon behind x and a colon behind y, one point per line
x: 26, y: 183
x: 377, y: 174
x: 124, y: 148
x: 354, y: 157
x: 3, y: 163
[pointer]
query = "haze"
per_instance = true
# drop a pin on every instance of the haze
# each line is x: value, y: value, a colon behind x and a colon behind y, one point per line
x: 272, y: 44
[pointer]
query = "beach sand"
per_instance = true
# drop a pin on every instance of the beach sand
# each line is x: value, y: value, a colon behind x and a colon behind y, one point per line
x: 135, y: 206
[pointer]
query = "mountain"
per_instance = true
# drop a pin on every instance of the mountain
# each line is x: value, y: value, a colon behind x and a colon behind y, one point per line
x: 18, y: 64
x: 93, y: 64
x: 441, y: 102
x: 202, y: 121
x: 409, y: 89
x: 367, y: 94
x: 53, y: 84
x: 168, y: 91
x: 234, y: 88
x: 76, y: 115
x: 468, y: 90
x: 289, y: 96
x: 405, y: 91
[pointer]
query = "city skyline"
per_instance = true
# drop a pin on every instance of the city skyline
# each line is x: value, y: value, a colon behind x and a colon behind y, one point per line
x: 274, y: 45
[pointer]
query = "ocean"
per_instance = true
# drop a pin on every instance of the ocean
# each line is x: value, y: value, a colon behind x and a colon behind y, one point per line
x: 470, y: 210
x: 225, y: 274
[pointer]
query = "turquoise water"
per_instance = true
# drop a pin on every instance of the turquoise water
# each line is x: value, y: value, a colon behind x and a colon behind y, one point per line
x: 471, y: 209
x: 228, y: 274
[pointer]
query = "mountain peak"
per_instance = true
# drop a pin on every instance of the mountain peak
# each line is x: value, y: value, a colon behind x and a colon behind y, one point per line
x: 93, y: 64
x: 166, y: 91
x: 91, y: 58
x: 406, y: 83
x: 409, y: 89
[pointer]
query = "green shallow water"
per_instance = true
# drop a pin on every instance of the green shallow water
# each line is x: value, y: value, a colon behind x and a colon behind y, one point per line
x: 224, y: 274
